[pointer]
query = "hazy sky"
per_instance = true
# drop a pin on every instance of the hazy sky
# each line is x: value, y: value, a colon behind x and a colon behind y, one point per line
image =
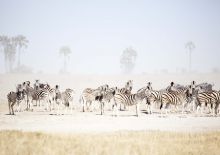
x: 98, y: 32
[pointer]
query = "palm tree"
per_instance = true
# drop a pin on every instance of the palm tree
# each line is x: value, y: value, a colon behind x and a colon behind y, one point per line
x: 127, y: 60
x: 20, y: 42
x: 3, y: 44
x: 9, y: 51
x: 65, y: 51
x: 190, y: 46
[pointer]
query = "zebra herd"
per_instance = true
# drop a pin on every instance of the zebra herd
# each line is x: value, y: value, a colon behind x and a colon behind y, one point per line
x: 41, y: 93
x: 190, y: 98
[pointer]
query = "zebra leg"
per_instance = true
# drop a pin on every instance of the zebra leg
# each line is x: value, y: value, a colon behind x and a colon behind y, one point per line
x: 197, y: 109
x: 115, y: 110
x: 150, y: 108
x: 101, y: 106
x: 202, y: 108
x: 18, y: 107
x: 9, y: 106
x: 27, y: 105
x: 216, y: 108
x: 12, y: 105
x: 161, y: 108
x: 147, y: 108
x: 50, y: 104
x: 83, y: 106
x: 183, y: 107
x: 31, y: 105
x: 137, y: 109
x: 71, y: 107
x: 65, y: 109
x: 125, y: 108
x: 58, y: 108
x: 166, y: 109
x: 213, y: 111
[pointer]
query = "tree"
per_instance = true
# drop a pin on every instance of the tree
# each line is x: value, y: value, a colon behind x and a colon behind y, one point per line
x: 65, y: 51
x: 20, y: 42
x: 9, y: 47
x: 4, y: 41
x: 190, y: 46
x: 128, y: 59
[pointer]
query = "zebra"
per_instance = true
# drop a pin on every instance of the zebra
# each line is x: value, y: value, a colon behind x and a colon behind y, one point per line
x: 153, y: 98
x: 106, y: 97
x: 41, y: 94
x: 29, y: 94
x: 13, y: 98
x: 145, y: 93
x: 204, y: 87
x: 52, y: 93
x: 208, y: 98
x: 128, y: 100
x: 181, y: 97
x: 88, y: 96
x: 67, y: 97
x: 36, y: 85
x: 126, y: 90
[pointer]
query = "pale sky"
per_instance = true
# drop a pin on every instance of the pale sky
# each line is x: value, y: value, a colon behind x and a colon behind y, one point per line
x: 98, y: 32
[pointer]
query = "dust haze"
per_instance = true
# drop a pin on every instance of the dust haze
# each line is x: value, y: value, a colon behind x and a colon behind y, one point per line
x: 97, y: 34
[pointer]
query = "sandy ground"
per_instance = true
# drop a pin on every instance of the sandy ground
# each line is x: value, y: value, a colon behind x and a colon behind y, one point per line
x: 41, y: 120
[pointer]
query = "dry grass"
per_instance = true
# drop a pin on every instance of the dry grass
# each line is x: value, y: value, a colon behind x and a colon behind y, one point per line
x: 16, y: 142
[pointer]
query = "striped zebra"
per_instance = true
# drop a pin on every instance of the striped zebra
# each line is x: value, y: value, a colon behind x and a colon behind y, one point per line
x: 126, y: 90
x: 65, y: 98
x: 88, y: 96
x: 128, y: 100
x: 145, y: 91
x: 175, y: 98
x: 52, y: 94
x: 203, y: 87
x: 106, y: 97
x: 153, y: 98
x: 40, y: 95
x: 29, y: 95
x: 204, y: 99
x: 13, y: 98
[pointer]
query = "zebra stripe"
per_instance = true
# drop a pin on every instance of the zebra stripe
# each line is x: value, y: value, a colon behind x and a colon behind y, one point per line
x: 205, y: 98
x: 174, y: 98
x: 128, y: 100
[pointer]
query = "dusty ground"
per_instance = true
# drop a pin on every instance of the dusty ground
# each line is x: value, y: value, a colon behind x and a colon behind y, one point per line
x: 40, y: 120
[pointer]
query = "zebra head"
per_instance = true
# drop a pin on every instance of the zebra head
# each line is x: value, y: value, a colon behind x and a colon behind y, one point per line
x: 129, y: 84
